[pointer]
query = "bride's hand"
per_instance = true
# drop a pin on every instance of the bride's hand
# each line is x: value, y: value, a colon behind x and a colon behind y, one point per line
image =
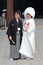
x: 25, y: 30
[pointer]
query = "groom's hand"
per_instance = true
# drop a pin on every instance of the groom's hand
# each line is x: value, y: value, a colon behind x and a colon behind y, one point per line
x: 10, y: 37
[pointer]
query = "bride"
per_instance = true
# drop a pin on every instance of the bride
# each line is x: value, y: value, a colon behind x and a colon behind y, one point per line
x: 27, y: 48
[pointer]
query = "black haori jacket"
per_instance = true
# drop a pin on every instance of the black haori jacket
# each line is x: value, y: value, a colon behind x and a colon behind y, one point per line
x: 12, y: 29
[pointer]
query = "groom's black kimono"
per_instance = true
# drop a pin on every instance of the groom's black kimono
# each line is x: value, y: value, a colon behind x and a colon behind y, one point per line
x: 12, y: 30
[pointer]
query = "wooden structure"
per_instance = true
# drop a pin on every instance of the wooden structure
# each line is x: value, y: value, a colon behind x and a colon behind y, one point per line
x: 9, y: 11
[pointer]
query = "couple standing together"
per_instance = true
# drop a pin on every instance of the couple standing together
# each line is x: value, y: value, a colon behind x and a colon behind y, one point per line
x: 22, y: 35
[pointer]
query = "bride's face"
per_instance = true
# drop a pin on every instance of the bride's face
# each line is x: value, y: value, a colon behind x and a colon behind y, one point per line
x: 28, y: 16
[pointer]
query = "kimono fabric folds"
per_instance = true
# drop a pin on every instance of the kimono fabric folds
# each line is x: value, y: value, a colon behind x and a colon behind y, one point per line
x: 28, y: 41
x: 16, y: 37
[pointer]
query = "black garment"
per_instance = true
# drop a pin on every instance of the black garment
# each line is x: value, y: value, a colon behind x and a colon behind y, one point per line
x: 12, y: 29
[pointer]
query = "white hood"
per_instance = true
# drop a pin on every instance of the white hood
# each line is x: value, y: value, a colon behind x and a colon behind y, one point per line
x: 29, y: 10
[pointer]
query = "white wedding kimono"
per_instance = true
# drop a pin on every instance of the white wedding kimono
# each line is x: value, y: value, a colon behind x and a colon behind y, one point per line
x: 28, y: 41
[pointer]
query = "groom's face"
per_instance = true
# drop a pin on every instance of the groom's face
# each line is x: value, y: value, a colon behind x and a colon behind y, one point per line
x: 16, y: 15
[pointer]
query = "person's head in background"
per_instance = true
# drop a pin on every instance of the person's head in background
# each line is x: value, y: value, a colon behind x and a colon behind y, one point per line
x: 17, y: 15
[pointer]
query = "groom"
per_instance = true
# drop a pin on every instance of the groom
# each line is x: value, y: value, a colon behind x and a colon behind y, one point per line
x: 14, y: 26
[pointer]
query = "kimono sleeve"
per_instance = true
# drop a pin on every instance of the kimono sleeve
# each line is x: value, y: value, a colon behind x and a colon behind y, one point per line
x: 9, y: 31
x: 31, y: 27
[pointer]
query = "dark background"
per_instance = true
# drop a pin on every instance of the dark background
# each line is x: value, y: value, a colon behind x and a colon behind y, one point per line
x: 22, y: 4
